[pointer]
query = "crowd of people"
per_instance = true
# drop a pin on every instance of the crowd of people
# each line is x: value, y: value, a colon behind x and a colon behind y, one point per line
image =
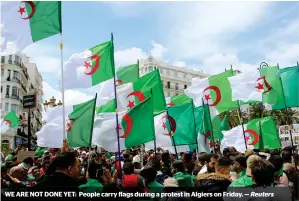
x: 155, y: 171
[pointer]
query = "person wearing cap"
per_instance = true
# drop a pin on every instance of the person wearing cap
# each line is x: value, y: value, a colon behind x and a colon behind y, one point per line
x: 179, y: 173
x: 246, y: 180
x: 239, y: 165
x: 217, y: 182
x: 171, y: 185
x: 137, y: 162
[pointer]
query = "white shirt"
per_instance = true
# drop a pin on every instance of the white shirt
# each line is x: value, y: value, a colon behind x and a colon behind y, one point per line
x: 203, y: 170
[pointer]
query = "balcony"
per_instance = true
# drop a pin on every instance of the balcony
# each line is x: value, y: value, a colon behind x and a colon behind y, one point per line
x: 15, y: 79
x: 14, y: 96
x: 7, y: 96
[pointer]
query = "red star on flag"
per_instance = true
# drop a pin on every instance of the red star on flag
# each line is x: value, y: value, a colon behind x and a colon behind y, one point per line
x: 164, y: 125
x: 87, y: 65
x: 131, y: 104
x: 260, y: 87
x: 206, y: 136
x: 118, y: 127
x: 21, y: 10
x: 207, y: 97
x: 247, y: 138
x: 211, y: 144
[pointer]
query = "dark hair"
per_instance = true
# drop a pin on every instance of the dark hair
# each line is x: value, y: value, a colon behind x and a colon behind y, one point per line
x: 276, y: 161
x: 28, y: 160
x: 64, y: 160
x: 223, y: 161
x: 212, y: 156
x: 203, y: 157
x: 45, y: 162
x: 274, y: 152
x: 95, y: 170
x: 149, y: 174
x: 263, y: 172
x: 156, y: 164
x: 165, y: 157
x: 286, y: 156
x: 128, y: 168
x: 241, y: 159
x: 46, y: 158
x: 296, y: 159
x: 226, y: 151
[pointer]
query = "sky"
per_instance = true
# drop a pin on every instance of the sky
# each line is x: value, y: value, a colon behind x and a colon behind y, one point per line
x: 207, y: 36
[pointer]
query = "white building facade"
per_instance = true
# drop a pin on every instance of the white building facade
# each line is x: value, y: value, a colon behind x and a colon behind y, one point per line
x: 15, y: 83
x: 175, y: 79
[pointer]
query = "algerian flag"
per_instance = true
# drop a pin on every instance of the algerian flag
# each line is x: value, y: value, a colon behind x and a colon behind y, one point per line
x: 290, y: 82
x: 10, y: 120
x: 259, y: 134
x: 89, y: 68
x: 248, y: 86
x: 235, y: 138
x: 214, y: 90
x: 177, y: 100
x: 131, y: 93
x: 127, y: 74
x: 130, y: 126
x: 26, y: 22
x: 179, y: 125
x: 80, y: 125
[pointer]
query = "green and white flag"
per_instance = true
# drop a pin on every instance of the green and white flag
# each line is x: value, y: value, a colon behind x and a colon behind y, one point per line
x: 149, y: 85
x: 80, y: 126
x: 215, y: 91
x: 26, y: 22
x: 260, y: 134
x: 89, y: 68
x: 290, y: 82
x: 10, y: 120
x: 127, y: 74
x: 133, y: 130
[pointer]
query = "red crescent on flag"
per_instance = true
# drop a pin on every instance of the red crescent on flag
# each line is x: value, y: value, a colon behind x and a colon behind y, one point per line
x: 118, y: 82
x: 128, y: 119
x: 33, y: 9
x: 97, y: 64
x: 8, y: 122
x: 170, y: 104
x: 218, y: 94
x: 266, y: 84
x: 172, y: 123
x: 68, y: 125
x: 255, y: 136
x: 138, y: 94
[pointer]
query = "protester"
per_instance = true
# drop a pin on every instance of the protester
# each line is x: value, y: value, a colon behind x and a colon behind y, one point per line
x: 279, y: 176
x: 210, y: 165
x: 239, y: 165
x: 179, y: 173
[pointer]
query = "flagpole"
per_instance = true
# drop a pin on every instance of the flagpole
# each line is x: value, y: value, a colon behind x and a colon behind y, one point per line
x: 91, y: 132
x: 138, y: 68
x: 62, y: 86
x: 240, y: 116
x: 212, y: 131
x: 289, y: 121
x: 116, y: 110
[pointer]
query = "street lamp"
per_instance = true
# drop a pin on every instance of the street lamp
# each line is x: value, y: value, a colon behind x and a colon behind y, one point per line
x: 51, y: 103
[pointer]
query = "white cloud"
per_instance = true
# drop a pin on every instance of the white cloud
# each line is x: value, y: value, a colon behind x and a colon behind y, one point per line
x: 202, y: 29
x: 126, y: 9
x: 157, y: 50
x: 128, y: 56
x: 71, y: 97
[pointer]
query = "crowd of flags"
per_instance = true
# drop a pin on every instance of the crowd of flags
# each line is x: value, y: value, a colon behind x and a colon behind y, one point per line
x: 137, y: 112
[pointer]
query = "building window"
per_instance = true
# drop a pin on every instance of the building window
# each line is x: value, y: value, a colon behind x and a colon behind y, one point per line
x: 15, y: 76
x: 14, y: 93
x: 150, y: 68
x: 168, y: 85
x: 185, y: 86
x: 2, y: 72
x: 17, y: 58
x: 8, y: 75
x: 7, y: 90
x: 6, y: 107
x: 161, y: 71
x: 2, y: 59
x: 168, y: 72
x: 10, y: 59
x: 1, y: 89
x: 15, y: 108
x: 176, y: 86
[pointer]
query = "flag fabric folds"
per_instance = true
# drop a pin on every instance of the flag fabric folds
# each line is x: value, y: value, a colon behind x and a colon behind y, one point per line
x: 80, y: 125
x: 89, y: 68
x: 27, y: 22
x: 10, y: 120
x: 127, y: 74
